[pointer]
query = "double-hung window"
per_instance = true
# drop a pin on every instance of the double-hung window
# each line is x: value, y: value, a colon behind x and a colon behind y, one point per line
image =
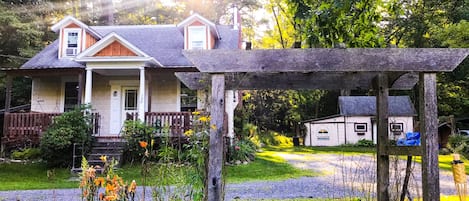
x: 71, y: 42
x: 197, y: 37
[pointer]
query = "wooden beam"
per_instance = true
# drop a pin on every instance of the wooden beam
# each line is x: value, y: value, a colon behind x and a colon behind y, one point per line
x: 298, y: 80
x: 8, y: 86
x: 328, y: 60
x: 382, y: 106
x: 428, y: 114
x: 404, y: 150
x: 214, y: 183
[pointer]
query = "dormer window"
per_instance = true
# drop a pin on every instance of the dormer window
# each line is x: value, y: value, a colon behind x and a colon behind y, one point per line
x: 71, y: 42
x: 197, y: 37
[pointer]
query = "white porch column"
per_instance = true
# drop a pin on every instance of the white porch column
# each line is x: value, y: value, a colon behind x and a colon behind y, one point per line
x: 231, y: 97
x: 141, y: 95
x: 88, y: 85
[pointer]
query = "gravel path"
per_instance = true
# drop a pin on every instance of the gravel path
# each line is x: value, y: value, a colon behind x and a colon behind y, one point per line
x: 341, y: 176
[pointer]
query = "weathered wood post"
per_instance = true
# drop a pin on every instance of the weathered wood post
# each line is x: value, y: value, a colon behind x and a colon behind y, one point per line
x: 382, y: 107
x: 214, y: 182
x: 428, y: 115
x: 8, y: 86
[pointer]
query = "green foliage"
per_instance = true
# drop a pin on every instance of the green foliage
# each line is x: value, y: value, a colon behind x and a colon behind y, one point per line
x: 242, y: 150
x: 26, y: 154
x: 459, y: 144
x: 329, y: 22
x: 278, y: 110
x: 365, y: 143
x: 135, y: 132
x: 69, y: 128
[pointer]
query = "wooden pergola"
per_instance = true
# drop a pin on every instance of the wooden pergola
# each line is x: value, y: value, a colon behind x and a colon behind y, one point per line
x: 377, y: 69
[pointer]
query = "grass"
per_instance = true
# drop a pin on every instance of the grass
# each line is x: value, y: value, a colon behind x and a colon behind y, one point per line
x: 267, y: 166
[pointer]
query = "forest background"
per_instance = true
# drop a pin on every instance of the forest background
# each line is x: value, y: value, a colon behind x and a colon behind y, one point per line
x: 267, y: 24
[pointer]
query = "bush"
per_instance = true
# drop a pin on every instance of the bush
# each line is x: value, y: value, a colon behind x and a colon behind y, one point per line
x: 365, y: 143
x: 242, y: 150
x: 26, y: 154
x: 135, y: 132
x: 459, y: 144
x: 57, y: 142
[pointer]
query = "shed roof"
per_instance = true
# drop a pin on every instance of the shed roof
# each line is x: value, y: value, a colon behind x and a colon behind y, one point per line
x: 366, y: 106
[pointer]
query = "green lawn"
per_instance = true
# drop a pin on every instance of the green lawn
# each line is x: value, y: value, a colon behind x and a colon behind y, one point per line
x: 267, y: 166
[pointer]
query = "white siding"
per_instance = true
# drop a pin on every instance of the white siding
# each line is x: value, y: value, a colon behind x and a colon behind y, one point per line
x: 341, y: 130
x: 165, y: 93
x: 46, y: 95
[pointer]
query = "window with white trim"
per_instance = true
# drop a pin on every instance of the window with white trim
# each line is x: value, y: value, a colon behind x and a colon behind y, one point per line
x: 360, y: 127
x: 71, y: 42
x: 197, y: 37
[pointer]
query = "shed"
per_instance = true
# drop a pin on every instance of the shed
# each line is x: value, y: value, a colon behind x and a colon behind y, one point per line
x: 357, y: 120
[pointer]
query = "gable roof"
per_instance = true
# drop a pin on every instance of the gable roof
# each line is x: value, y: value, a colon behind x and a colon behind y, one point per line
x: 196, y: 17
x: 164, y: 43
x: 71, y: 20
x: 89, y: 54
x: 366, y: 106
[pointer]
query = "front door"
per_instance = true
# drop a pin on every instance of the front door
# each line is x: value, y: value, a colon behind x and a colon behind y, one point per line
x: 129, y: 101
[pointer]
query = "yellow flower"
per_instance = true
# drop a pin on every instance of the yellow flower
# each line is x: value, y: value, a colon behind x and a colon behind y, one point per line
x: 103, y: 158
x: 213, y: 126
x: 152, y: 142
x: 132, y: 187
x: 143, y: 144
x: 189, y: 133
x: 196, y: 113
x: 204, y: 118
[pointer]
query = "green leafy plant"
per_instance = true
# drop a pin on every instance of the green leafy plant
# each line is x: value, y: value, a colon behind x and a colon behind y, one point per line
x: 135, y: 132
x: 242, y: 150
x: 69, y: 128
x: 26, y: 154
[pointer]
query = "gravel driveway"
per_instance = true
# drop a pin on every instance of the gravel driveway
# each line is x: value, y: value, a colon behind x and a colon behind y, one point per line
x: 342, y: 176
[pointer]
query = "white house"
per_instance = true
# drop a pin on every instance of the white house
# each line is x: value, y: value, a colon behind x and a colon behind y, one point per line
x: 357, y: 120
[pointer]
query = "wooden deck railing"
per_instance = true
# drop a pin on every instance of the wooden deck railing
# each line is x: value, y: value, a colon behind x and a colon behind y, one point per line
x: 175, y: 123
x: 25, y: 129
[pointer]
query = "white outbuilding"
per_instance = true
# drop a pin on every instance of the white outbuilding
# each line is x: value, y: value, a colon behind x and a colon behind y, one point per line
x: 357, y: 120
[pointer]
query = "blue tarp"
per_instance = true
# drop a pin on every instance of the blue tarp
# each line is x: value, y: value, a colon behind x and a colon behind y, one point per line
x: 412, y: 139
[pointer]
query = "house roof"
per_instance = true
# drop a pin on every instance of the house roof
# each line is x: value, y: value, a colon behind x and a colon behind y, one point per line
x: 366, y: 106
x: 162, y: 42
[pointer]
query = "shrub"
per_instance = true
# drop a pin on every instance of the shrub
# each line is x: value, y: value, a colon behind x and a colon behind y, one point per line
x: 26, y: 154
x: 135, y: 132
x: 69, y: 128
x: 459, y: 144
x: 242, y: 150
x: 365, y: 143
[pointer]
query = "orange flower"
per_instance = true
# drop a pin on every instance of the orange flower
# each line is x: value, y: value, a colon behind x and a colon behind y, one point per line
x: 99, y: 181
x: 101, y: 196
x: 109, y: 188
x: 143, y: 144
x: 132, y: 187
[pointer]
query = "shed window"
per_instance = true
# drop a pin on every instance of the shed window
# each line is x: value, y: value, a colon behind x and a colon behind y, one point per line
x: 360, y: 127
x: 396, y: 128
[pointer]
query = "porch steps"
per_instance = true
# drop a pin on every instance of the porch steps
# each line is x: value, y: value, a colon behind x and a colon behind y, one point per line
x: 112, y: 148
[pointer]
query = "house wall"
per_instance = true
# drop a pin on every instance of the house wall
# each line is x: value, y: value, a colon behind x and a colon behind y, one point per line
x: 48, y: 94
x: 165, y: 93
x: 333, y: 126
x: 341, y: 130
x: 45, y: 95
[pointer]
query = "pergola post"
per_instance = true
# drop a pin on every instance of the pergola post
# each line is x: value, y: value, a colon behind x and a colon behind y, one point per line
x: 214, y: 182
x: 428, y: 115
x: 382, y: 171
x: 8, y: 86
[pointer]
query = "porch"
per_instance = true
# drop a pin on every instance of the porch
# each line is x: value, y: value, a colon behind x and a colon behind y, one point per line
x: 25, y: 129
